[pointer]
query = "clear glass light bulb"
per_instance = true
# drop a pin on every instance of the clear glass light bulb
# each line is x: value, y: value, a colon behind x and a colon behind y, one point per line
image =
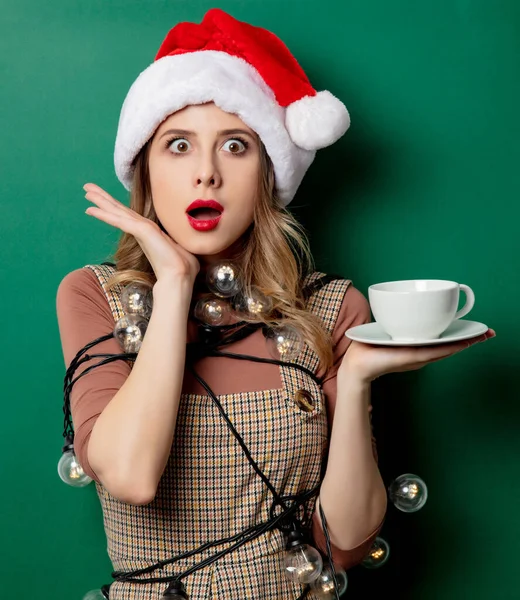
x: 212, y: 311
x: 255, y: 303
x: 223, y: 279
x: 377, y: 555
x: 323, y: 586
x: 94, y: 595
x: 134, y: 299
x: 129, y: 332
x: 149, y: 304
x: 302, y: 564
x: 408, y: 492
x: 284, y: 343
x: 71, y: 472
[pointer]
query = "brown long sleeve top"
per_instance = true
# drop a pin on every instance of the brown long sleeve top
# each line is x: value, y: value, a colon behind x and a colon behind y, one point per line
x: 84, y: 314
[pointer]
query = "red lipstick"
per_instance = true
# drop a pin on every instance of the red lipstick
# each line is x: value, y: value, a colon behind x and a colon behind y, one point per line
x: 200, y: 219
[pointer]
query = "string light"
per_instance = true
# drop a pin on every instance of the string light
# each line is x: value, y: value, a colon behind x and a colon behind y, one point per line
x: 94, y: 595
x: 102, y: 594
x: 129, y: 331
x: 137, y: 299
x: 284, y: 342
x: 408, y: 492
x: 324, y: 586
x: 301, y: 562
x: 256, y: 303
x: 222, y: 279
x: 212, y: 311
x: 377, y: 555
x: 69, y: 469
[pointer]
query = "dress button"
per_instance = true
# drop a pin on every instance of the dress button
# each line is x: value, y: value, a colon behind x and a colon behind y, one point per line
x: 304, y: 400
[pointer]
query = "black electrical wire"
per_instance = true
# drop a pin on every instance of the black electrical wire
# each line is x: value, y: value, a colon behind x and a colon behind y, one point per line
x: 329, y: 551
x: 318, y: 380
x: 249, y: 534
x: 209, y: 347
x: 241, y: 442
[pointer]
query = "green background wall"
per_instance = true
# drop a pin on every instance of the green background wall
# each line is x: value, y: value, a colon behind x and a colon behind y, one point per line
x: 425, y: 184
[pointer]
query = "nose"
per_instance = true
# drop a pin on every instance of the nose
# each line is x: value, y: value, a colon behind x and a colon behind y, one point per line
x: 207, y: 173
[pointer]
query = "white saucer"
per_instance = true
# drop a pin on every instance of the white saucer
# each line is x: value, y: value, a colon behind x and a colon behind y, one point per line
x: 372, y: 333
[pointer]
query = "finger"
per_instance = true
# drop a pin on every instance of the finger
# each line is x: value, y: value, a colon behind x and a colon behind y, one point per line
x: 437, y: 358
x: 482, y: 338
x: 434, y: 353
x: 450, y: 349
x: 110, y: 205
x: 117, y: 220
x: 93, y: 188
x: 102, y: 202
x: 101, y: 193
x: 140, y: 228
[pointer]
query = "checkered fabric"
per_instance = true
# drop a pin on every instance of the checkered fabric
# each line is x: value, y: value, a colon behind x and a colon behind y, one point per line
x: 209, y: 491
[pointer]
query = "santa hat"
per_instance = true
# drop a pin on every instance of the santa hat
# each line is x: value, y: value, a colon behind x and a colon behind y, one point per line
x: 245, y: 70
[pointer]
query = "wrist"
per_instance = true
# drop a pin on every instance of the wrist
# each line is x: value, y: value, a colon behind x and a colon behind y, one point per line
x: 172, y: 294
x: 353, y: 377
x: 173, y: 285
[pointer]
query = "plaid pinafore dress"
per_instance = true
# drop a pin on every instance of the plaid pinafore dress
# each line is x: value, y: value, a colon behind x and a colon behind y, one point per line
x: 209, y: 491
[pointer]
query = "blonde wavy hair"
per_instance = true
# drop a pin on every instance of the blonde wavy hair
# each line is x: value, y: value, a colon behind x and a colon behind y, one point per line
x: 274, y: 249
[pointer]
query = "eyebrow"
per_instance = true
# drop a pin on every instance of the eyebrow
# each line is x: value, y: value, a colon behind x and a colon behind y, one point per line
x: 193, y: 133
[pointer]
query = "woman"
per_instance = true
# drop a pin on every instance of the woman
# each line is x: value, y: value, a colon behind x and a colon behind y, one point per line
x: 224, y: 114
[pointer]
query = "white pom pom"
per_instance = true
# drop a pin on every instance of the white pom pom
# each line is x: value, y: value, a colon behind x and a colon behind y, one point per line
x: 314, y: 122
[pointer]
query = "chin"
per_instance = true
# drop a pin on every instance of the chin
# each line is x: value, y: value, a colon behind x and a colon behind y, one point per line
x: 220, y: 241
x: 206, y: 247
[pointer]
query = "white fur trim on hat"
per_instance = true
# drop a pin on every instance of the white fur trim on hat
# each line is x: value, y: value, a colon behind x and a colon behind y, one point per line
x: 314, y: 122
x: 173, y: 82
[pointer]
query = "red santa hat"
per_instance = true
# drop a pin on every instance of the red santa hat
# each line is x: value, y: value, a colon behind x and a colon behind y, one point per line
x: 245, y: 70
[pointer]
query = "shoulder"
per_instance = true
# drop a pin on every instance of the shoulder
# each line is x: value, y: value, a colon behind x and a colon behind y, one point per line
x: 80, y: 291
x: 78, y: 280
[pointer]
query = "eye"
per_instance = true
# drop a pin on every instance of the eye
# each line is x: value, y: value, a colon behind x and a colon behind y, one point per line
x: 237, y: 142
x: 181, y: 147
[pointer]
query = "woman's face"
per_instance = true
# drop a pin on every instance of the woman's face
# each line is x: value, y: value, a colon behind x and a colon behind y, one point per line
x: 202, y: 152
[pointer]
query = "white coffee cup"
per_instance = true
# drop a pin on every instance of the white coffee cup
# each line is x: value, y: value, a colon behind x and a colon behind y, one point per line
x: 418, y: 309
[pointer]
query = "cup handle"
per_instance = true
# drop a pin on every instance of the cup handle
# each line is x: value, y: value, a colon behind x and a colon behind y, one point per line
x: 470, y: 301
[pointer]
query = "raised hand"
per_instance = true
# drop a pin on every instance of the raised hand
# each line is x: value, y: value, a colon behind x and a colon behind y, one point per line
x: 167, y: 258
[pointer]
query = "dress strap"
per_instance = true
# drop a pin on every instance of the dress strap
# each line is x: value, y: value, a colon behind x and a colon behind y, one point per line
x: 113, y: 296
x: 325, y: 296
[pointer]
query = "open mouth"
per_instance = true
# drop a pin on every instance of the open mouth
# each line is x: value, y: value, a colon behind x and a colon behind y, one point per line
x: 204, y: 214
